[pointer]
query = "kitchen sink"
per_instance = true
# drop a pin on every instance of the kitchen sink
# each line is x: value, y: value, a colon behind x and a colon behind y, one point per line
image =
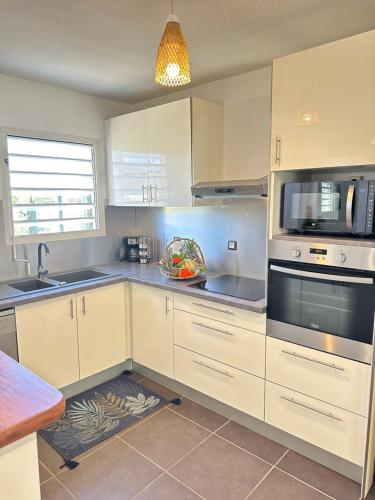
x: 31, y: 285
x: 78, y: 276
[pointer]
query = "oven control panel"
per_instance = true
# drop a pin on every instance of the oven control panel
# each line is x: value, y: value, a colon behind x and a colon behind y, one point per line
x: 329, y: 254
x: 318, y: 254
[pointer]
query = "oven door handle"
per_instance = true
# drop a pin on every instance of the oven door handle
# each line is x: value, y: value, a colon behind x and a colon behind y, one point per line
x: 349, y: 207
x: 323, y: 276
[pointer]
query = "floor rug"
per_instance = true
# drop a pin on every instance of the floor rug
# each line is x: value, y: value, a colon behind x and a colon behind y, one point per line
x: 99, y: 413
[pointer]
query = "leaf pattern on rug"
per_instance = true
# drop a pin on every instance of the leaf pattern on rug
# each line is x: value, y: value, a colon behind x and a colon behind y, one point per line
x: 90, y: 421
x: 140, y: 404
x: 112, y: 405
x: 99, y: 413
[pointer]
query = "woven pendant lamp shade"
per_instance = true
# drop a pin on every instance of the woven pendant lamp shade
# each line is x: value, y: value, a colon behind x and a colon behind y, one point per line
x: 172, y: 66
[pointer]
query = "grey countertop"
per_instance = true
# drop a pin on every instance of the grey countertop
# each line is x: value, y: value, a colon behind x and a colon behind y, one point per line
x: 147, y: 274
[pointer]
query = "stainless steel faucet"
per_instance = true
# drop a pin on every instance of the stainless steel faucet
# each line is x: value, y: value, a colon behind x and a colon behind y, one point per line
x: 42, y: 273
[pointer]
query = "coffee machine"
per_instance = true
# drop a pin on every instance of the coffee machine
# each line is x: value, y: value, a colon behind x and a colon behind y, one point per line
x: 136, y: 249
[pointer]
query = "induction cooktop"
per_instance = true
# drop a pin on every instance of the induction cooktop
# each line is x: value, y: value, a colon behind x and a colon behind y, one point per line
x: 234, y: 286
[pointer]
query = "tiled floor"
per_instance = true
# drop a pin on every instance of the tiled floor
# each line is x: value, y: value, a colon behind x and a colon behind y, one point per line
x: 188, y: 452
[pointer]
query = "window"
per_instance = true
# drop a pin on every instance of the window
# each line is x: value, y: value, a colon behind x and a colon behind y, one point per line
x: 52, y: 187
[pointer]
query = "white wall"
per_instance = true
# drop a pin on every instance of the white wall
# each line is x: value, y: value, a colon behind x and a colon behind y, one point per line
x: 45, y: 108
x: 247, y: 119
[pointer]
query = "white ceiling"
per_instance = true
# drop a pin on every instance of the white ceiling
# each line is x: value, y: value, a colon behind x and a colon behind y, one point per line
x: 108, y: 47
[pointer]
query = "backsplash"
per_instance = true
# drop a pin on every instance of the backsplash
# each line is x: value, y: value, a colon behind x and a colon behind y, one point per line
x: 244, y: 221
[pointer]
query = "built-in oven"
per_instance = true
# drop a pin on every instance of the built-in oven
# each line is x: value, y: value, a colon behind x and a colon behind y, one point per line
x: 319, y: 305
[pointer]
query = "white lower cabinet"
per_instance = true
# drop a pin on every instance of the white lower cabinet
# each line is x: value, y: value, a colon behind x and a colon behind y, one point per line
x: 328, y: 427
x: 69, y: 338
x: 47, y: 339
x: 101, y: 328
x: 229, y: 344
x: 338, y: 381
x: 152, y: 326
x: 227, y: 384
x: 235, y: 316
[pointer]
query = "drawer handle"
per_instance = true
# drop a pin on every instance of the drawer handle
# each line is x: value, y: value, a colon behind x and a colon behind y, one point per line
x: 329, y: 365
x: 71, y: 308
x: 329, y: 415
x: 199, y: 304
x: 212, y: 328
x: 223, y: 372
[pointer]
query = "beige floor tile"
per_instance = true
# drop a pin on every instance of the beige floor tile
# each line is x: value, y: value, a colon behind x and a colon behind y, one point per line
x: 199, y: 414
x: 219, y: 470
x: 165, y: 438
x: 44, y: 474
x: 115, y: 472
x: 319, y: 477
x: 280, y: 486
x: 49, y: 456
x: 166, y: 488
x: 52, y: 490
x: 253, y: 442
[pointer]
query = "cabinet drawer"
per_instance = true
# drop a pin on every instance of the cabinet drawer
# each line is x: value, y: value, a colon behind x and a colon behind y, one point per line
x: 229, y: 385
x: 229, y: 344
x: 338, y: 381
x: 221, y: 312
x: 333, y: 429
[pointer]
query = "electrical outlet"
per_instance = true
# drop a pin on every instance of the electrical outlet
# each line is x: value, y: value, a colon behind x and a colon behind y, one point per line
x: 232, y: 245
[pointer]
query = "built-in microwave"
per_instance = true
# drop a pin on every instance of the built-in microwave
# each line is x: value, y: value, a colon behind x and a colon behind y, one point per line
x: 337, y: 207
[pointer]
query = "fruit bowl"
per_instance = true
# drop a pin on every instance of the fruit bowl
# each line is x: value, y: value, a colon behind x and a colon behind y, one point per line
x: 183, y: 260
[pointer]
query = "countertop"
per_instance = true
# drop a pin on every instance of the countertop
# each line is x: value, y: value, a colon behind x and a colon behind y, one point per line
x: 27, y: 402
x: 147, y: 274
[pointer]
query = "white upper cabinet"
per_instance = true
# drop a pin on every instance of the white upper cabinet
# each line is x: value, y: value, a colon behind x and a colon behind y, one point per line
x: 323, y: 106
x: 154, y: 155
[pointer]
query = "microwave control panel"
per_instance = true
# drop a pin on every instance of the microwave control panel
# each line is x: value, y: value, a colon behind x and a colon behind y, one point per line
x: 328, y: 254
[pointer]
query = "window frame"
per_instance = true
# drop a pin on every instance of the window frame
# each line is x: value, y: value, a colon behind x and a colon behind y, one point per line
x: 99, y: 187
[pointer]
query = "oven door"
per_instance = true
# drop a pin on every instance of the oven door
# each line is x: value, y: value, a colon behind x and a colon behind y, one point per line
x: 324, y: 206
x: 324, y: 308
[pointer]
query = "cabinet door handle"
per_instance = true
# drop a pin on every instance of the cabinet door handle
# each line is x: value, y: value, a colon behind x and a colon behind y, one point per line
x: 71, y: 308
x: 153, y: 187
x: 225, y: 311
x: 306, y: 358
x: 212, y: 328
x: 278, y: 150
x: 223, y: 372
x: 144, y: 191
x: 325, y: 414
x: 84, y: 305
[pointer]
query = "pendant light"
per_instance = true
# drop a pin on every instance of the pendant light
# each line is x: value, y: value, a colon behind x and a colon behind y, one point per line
x: 172, y: 65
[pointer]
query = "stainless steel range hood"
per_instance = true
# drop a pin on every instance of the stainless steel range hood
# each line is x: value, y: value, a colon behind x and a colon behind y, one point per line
x: 249, y: 188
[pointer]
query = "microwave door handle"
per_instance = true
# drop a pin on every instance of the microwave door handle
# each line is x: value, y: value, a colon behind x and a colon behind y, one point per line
x: 323, y: 276
x: 349, y: 207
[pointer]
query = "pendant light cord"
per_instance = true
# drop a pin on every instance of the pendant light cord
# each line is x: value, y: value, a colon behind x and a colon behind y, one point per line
x: 172, y: 7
